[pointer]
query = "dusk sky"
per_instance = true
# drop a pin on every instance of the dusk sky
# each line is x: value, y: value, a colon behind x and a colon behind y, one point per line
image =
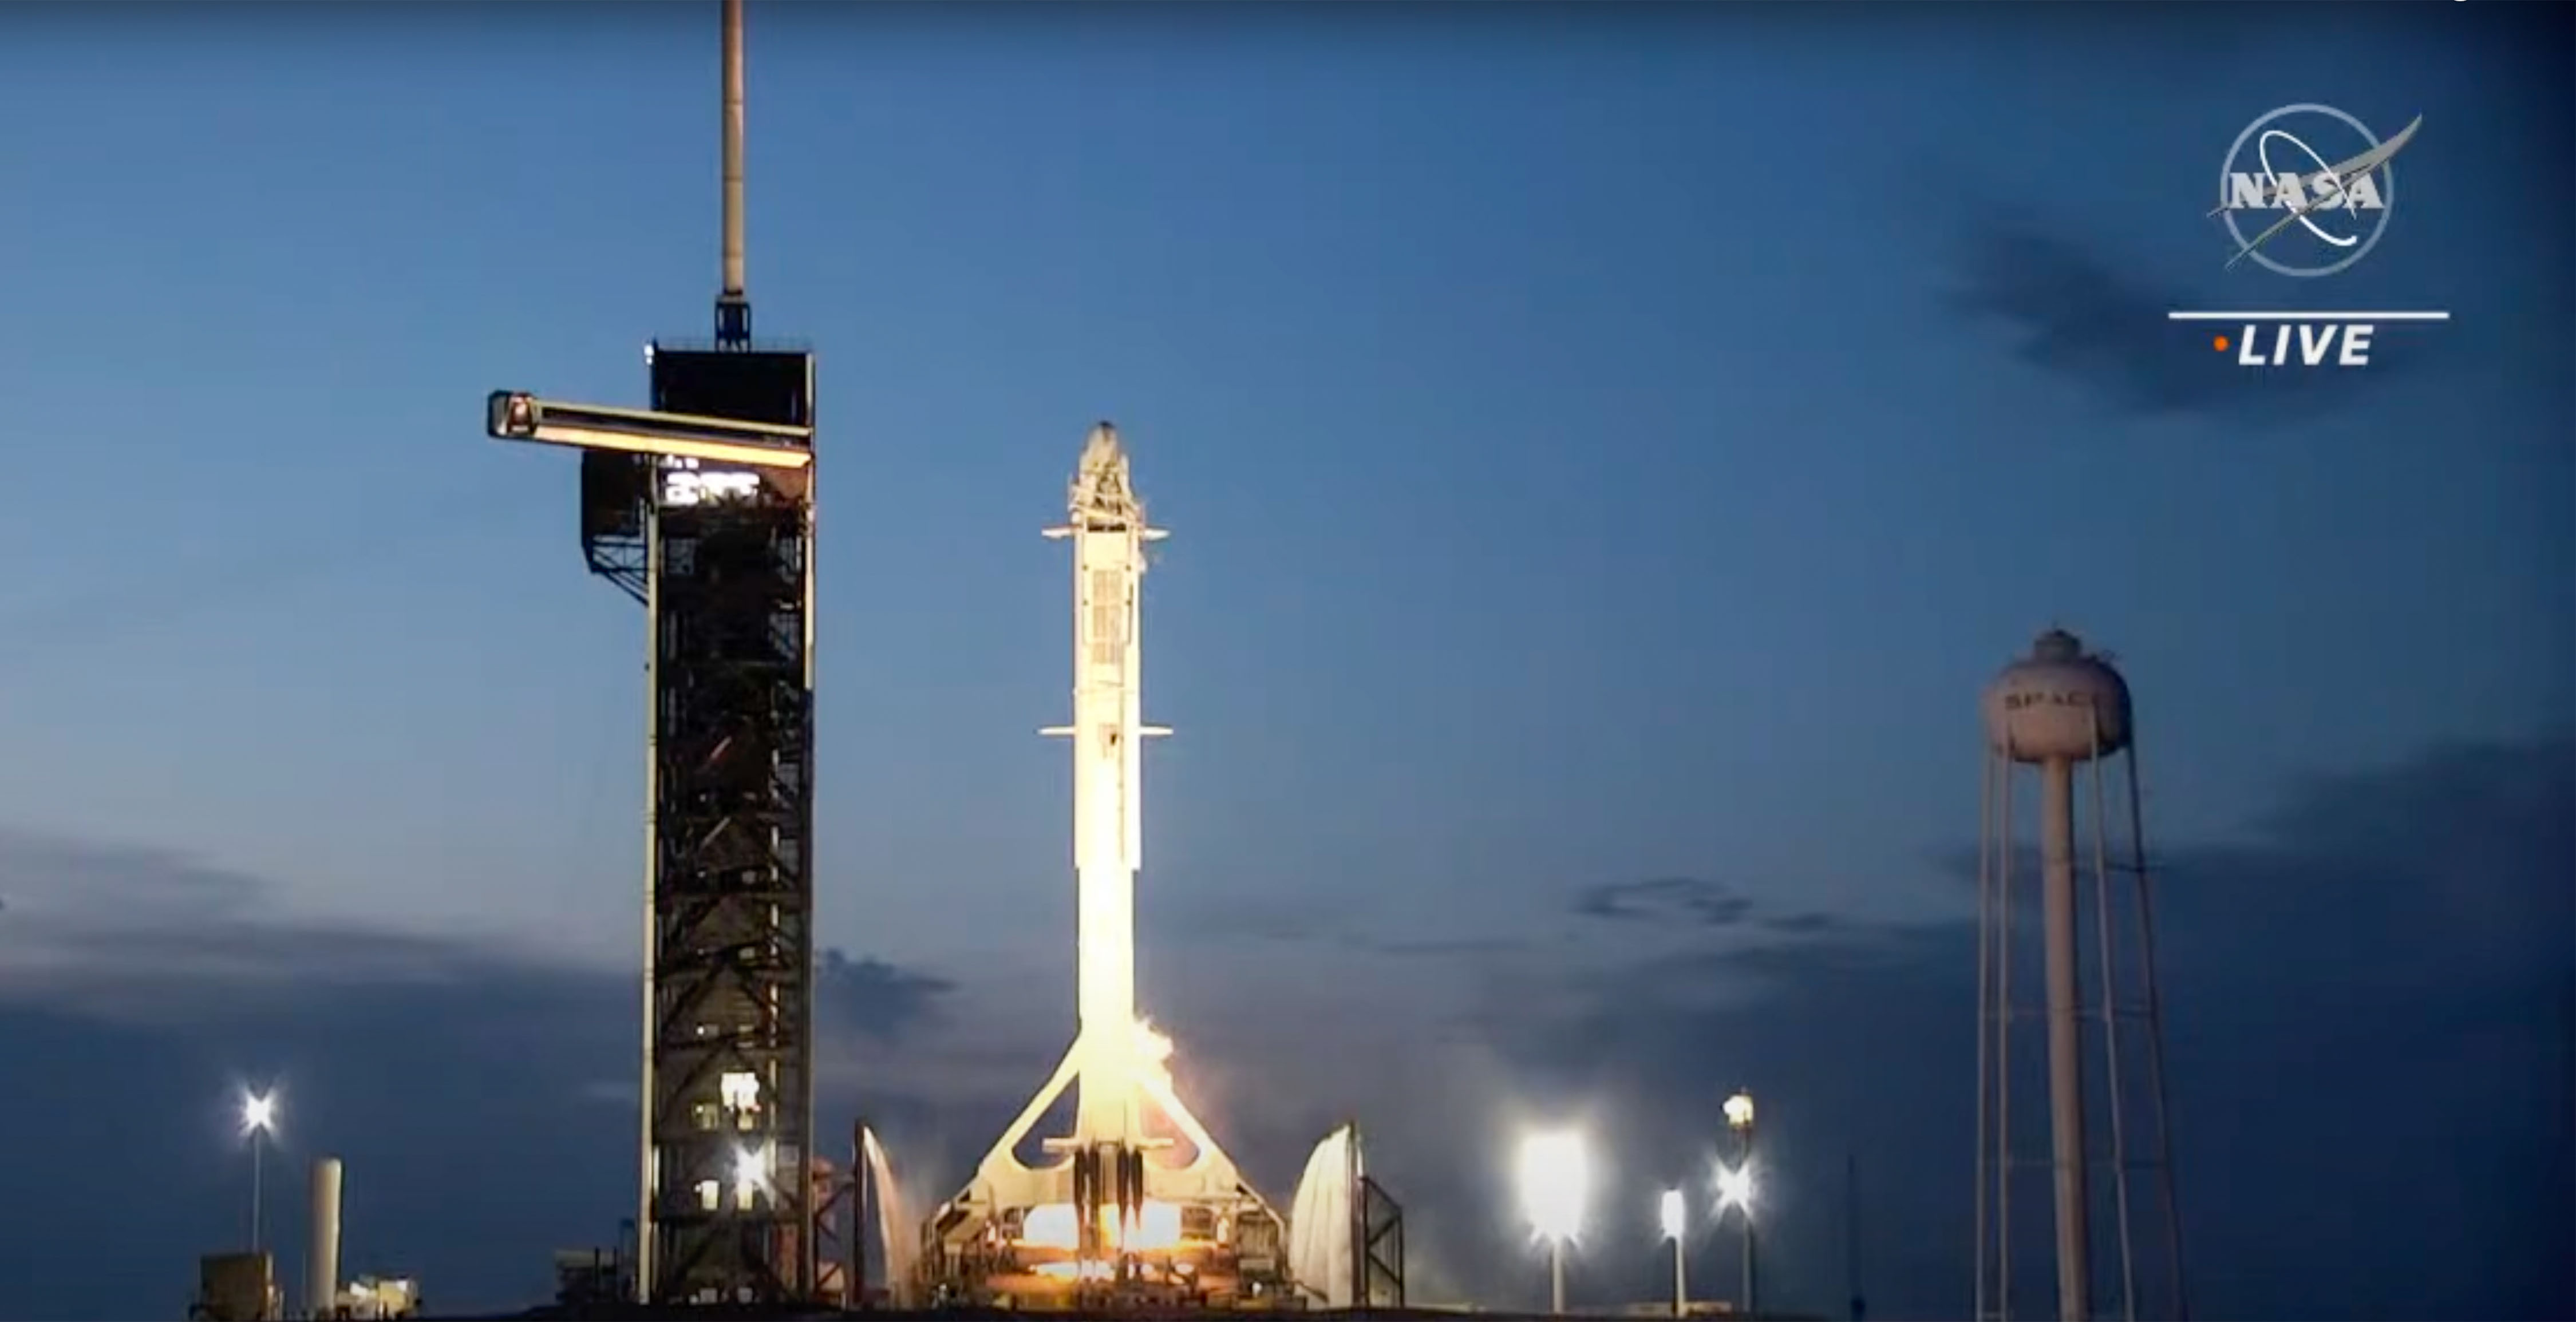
x: 1607, y: 451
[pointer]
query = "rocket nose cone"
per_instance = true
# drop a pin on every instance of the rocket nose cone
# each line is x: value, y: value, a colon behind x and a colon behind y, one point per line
x: 1102, y: 448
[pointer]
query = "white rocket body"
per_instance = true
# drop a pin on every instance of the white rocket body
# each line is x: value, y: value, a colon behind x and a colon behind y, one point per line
x: 1114, y: 1185
x: 1108, y: 531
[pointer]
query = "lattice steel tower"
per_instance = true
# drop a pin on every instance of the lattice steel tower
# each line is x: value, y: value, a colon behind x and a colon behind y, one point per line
x: 702, y: 509
x: 2064, y: 711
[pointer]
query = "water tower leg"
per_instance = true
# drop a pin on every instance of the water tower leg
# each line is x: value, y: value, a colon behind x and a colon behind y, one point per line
x: 2065, y: 1038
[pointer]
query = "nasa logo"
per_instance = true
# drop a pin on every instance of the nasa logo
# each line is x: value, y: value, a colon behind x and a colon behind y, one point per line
x: 2317, y: 215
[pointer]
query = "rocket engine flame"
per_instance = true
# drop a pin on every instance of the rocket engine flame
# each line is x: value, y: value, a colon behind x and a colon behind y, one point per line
x: 1153, y: 1053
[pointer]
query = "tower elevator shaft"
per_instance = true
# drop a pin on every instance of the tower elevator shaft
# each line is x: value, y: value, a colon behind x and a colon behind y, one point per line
x: 727, y: 1211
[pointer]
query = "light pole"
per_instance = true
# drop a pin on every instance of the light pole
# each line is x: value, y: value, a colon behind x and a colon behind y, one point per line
x: 1673, y: 1213
x: 258, y: 1117
x: 1555, y: 1175
x: 1737, y: 1185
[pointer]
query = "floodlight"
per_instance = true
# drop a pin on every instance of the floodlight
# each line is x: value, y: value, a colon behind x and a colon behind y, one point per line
x: 1555, y: 1176
x: 1735, y: 1188
x: 750, y: 1170
x: 258, y: 1121
x: 1672, y: 1208
x: 1739, y: 1110
x: 518, y: 416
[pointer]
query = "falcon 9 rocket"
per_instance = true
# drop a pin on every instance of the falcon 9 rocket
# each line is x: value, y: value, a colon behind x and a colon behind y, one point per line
x: 1121, y: 1207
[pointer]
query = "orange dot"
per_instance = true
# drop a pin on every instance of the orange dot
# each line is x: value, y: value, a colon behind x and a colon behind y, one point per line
x: 2220, y: 343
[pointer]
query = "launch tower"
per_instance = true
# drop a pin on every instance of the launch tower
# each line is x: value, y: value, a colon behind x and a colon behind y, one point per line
x: 702, y: 509
x: 2062, y: 710
x: 1127, y: 1211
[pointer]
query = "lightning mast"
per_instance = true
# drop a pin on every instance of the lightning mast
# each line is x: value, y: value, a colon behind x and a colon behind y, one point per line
x: 702, y: 509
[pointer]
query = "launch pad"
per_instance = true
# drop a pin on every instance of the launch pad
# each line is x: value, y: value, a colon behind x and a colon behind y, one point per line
x: 702, y: 509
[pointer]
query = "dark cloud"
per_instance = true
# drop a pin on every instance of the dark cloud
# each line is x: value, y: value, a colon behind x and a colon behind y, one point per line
x: 1462, y: 946
x: 117, y: 928
x: 1807, y: 924
x: 874, y: 998
x: 1665, y: 900
x: 2085, y: 316
x: 102, y: 877
x: 123, y: 930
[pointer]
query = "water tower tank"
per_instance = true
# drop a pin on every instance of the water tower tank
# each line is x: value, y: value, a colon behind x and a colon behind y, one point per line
x: 2060, y: 703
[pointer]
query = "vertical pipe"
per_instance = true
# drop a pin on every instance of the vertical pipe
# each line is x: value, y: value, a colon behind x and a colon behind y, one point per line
x: 1744, y: 1164
x: 1352, y: 1174
x: 322, y: 1258
x: 648, y: 1162
x: 2118, y: 1097
x: 1748, y: 1263
x: 2155, y: 1035
x: 809, y: 1248
x: 256, y: 1134
x: 1556, y: 1274
x: 807, y: 1139
x: 2065, y: 1035
x: 2005, y: 847
x: 1985, y: 1010
x: 1681, y: 1286
x: 1851, y: 1235
x: 732, y: 130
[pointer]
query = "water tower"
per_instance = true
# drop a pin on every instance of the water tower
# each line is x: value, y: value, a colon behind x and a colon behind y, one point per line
x: 2065, y: 713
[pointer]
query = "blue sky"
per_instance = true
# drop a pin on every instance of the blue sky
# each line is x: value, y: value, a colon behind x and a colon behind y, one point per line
x: 1600, y: 447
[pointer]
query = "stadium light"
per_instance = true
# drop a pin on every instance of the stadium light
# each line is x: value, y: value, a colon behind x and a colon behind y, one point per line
x: 1735, y: 1189
x: 258, y: 1121
x: 1735, y: 1184
x: 1555, y: 1178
